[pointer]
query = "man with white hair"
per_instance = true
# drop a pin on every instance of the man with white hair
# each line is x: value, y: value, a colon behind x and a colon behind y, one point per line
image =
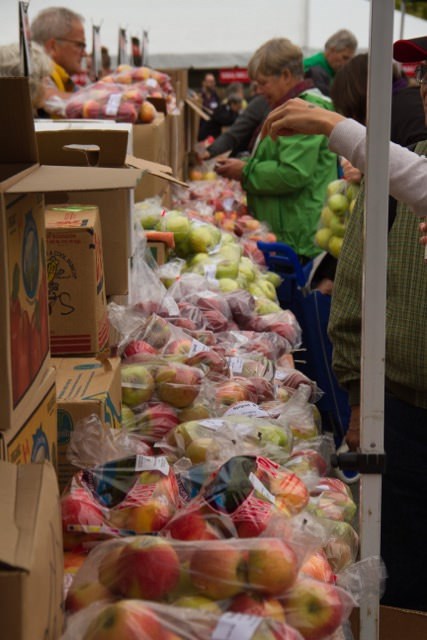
x: 322, y: 67
x: 61, y: 33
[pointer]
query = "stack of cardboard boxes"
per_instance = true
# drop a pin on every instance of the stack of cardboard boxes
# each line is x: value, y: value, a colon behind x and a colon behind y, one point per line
x: 65, y: 243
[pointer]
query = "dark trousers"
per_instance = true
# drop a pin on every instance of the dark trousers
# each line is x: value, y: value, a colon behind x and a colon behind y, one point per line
x: 404, y: 505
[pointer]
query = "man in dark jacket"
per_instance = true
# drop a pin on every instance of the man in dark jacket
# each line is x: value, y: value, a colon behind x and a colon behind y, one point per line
x: 239, y: 136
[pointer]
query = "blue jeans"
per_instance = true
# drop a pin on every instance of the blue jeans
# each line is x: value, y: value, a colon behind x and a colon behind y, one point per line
x: 404, y: 505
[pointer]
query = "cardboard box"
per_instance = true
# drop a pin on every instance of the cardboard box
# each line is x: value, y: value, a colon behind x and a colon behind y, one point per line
x: 179, y: 79
x: 24, y: 331
x: 395, y: 624
x: 85, y: 386
x: 76, y: 286
x: 109, y: 146
x: 31, y: 555
x: 150, y: 141
x: 35, y: 438
x: 160, y: 243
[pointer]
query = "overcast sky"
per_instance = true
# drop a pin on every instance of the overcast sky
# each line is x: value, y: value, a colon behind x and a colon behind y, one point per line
x: 196, y: 27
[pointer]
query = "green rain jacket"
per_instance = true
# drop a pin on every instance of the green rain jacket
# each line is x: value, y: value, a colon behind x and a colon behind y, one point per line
x: 286, y: 180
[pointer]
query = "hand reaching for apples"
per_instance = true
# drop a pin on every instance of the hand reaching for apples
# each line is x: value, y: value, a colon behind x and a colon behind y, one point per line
x: 299, y: 116
x: 353, y: 433
x: 231, y: 168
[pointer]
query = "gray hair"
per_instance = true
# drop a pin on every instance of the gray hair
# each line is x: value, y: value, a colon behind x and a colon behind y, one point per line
x: 41, y: 63
x: 274, y: 56
x: 54, y: 22
x: 342, y: 39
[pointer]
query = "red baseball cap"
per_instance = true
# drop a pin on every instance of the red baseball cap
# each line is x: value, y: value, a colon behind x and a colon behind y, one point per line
x: 412, y: 50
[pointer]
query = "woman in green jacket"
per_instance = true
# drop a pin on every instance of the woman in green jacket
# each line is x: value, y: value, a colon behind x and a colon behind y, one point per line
x: 286, y: 179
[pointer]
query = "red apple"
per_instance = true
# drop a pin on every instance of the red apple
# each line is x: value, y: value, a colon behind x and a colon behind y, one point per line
x: 156, y: 421
x: 289, y: 490
x: 81, y: 596
x: 193, y: 524
x: 218, y: 570
x: 147, y: 112
x: 147, y: 568
x: 178, y: 384
x: 91, y: 109
x: 317, y: 566
x: 272, y: 566
x: 314, y: 608
x: 125, y: 620
x: 256, y: 605
x: 136, y: 348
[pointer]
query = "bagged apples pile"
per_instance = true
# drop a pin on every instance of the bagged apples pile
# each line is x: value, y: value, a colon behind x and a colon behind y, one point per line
x: 341, y: 197
x: 212, y: 578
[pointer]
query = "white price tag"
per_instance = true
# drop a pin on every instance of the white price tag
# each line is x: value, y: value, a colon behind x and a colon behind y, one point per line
x: 150, y: 463
x: 260, y: 488
x: 113, y: 104
x: 210, y: 271
x: 236, y: 626
x: 236, y: 364
x: 249, y: 409
x: 152, y: 82
x: 197, y: 347
x: 281, y: 375
x: 214, y: 423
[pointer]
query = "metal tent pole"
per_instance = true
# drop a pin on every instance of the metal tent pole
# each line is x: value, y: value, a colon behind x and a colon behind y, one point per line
x: 374, y: 287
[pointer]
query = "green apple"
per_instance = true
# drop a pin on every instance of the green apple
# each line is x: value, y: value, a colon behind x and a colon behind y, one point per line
x: 337, y: 226
x: 227, y: 269
x: 334, y: 246
x: 274, y: 278
x: 322, y: 237
x: 201, y: 239
x: 227, y: 285
x: 325, y: 216
x: 264, y: 306
x: 149, y: 219
x: 267, y: 288
x: 338, y: 203
x: 352, y: 191
x: 337, y: 186
x: 179, y: 225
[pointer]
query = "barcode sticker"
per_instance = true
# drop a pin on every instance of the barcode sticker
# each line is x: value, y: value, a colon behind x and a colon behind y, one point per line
x: 236, y: 364
x: 261, y: 488
x: 150, y: 463
x: 113, y: 104
x: 236, y: 626
x: 197, y: 347
x: 248, y: 409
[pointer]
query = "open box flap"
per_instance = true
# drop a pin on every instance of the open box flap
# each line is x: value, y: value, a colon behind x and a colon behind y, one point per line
x: 47, y: 179
x: 155, y: 169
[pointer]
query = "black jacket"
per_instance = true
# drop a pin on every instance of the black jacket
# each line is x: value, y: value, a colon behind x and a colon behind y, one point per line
x: 239, y: 135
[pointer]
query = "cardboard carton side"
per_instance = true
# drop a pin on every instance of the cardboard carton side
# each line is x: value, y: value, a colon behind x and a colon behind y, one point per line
x: 31, y: 575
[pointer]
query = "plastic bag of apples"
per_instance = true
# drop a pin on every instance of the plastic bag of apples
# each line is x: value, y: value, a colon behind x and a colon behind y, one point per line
x: 258, y: 575
x: 244, y: 495
x: 145, y: 620
x: 120, y: 487
x: 111, y: 101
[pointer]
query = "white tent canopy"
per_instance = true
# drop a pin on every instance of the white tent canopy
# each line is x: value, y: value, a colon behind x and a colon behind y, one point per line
x: 190, y: 33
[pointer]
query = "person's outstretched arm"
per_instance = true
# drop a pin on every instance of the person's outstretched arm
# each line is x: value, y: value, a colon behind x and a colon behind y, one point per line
x: 408, y: 170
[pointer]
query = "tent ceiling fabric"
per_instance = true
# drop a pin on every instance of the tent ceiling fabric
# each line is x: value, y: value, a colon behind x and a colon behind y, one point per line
x: 190, y: 33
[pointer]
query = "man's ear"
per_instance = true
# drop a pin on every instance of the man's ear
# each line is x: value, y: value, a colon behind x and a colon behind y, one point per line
x: 50, y: 46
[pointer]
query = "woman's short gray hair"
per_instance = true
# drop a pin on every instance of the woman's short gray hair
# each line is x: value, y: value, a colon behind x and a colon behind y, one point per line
x: 274, y: 56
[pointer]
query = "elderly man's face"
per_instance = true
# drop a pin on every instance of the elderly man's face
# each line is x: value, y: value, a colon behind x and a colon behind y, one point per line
x: 337, y: 59
x: 70, y: 50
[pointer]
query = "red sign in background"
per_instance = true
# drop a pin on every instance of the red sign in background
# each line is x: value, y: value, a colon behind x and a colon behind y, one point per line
x: 226, y: 76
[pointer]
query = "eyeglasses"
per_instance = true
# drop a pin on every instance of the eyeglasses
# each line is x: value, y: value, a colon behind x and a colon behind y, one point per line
x: 77, y: 43
x: 421, y: 74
